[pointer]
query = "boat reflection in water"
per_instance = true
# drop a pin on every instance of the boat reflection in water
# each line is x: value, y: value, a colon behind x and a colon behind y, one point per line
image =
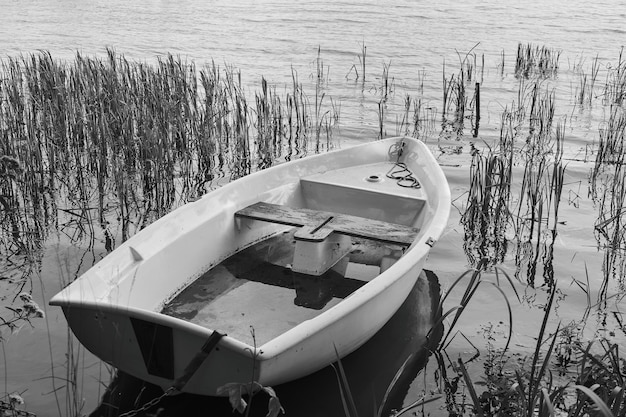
x: 369, y: 370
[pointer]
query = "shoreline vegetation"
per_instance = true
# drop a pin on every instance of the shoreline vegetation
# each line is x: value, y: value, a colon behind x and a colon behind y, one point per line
x: 97, y: 148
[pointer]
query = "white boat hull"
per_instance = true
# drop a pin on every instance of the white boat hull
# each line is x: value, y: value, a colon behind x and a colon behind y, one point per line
x: 115, y: 308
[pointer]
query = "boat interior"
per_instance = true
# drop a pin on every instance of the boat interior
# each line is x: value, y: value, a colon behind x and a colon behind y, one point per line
x: 350, y: 226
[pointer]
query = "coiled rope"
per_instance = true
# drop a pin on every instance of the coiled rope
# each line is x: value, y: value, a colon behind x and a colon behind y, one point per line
x: 399, y: 171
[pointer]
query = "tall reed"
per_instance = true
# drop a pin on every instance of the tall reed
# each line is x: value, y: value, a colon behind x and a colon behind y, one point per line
x: 486, y: 217
x: 615, y: 86
x: 456, y: 97
x: 608, y: 190
x: 586, y: 87
x: 535, y: 61
x: 541, y: 186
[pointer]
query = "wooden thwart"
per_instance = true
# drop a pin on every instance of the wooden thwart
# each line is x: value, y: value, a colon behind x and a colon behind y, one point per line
x: 317, y: 225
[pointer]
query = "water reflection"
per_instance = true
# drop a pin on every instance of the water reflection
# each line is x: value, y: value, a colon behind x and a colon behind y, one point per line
x: 401, y: 344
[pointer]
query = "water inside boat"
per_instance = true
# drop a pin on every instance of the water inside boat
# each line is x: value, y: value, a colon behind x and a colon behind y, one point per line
x: 257, y: 289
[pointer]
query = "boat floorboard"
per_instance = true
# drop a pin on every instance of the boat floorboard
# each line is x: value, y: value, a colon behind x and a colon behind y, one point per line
x: 256, y: 289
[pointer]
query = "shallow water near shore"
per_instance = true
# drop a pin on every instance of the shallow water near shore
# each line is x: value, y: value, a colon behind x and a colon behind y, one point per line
x: 411, y: 46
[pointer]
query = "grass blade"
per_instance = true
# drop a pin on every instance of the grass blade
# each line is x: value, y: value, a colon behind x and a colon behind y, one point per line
x: 347, y: 399
x: 601, y: 405
x: 470, y: 387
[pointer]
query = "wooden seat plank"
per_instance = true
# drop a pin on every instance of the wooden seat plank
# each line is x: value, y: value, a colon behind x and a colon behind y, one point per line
x: 276, y: 213
x: 374, y: 230
x: 318, y: 222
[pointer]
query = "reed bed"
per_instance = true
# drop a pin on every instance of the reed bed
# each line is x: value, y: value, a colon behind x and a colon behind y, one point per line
x: 541, y: 187
x: 135, y: 139
x: 607, y: 185
x: 536, y: 61
x: 419, y: 118
x: 486, y: 219
x: 458, y: 97
x: 491, y: 218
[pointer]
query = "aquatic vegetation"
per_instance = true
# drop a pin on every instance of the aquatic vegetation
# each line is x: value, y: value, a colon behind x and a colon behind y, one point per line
x: 587, y: 82
x: 269, y: 126
x: 593, y: 382
x: 386, y: 85
x: 501, y: 64
x: 491, y: 216
x: 102, y: 147
x: 607, y: 185
x: 486, y: 218
x: 541, y: 188
x: 456, y: 96
x: 454, y: 103
x: 615, y: 86
x: 361, y: 57
x: 385, y: 90
x: 419, y: 118
x: 118, y: 136
x: 535, y: 61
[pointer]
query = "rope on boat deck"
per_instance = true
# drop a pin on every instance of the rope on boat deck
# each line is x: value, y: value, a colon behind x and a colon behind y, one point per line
x: 400, y: 172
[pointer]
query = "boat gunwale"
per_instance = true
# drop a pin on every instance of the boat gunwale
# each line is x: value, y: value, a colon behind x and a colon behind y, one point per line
x: 156, y: 318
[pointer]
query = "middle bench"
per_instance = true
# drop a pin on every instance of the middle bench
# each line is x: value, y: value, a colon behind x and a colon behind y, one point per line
x: 324, y: 237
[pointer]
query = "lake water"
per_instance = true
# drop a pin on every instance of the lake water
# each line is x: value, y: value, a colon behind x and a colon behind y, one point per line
x: 412, y: 40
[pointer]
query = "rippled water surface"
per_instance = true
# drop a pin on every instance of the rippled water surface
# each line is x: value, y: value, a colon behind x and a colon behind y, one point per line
x: 415, y: 41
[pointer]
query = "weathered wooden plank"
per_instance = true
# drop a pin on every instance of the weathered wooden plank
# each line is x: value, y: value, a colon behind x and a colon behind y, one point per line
x: 318, y: 222
x: 276, y: 213
x: 374, y: 229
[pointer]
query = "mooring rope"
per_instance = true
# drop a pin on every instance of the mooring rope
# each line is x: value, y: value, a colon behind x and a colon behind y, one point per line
x: 180, y: 382
x: 399, y: 171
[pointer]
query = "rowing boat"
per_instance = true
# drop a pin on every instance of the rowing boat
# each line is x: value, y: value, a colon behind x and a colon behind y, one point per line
x: 270, y: 277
